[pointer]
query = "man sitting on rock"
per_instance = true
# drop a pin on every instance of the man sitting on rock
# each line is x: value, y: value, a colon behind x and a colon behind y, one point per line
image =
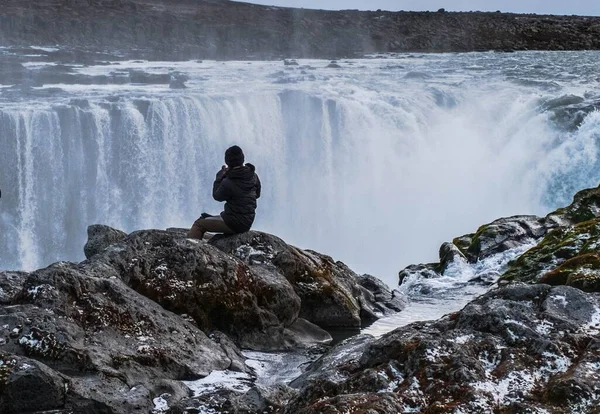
x: 238, y: 185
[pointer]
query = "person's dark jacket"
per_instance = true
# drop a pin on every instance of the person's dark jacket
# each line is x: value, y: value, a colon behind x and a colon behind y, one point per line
x: 239, y: 187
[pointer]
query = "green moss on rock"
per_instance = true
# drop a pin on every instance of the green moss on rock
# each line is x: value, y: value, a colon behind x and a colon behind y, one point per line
x: 565, y: 256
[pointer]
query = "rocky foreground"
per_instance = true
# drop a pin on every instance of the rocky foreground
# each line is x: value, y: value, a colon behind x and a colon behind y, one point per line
x: 154, y: 308
x: 219, y: 29
x: 148, y: 315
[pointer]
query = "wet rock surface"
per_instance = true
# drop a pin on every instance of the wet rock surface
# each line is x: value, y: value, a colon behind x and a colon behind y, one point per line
x: 512, y: 350
x: 254, y: 306
x: 120, y: 331
x: 565, y: 247
x: 113, y: 347
x: 162, y: 29
x: 568, y: 255
x: 154, y: 321
x: 332, y: 295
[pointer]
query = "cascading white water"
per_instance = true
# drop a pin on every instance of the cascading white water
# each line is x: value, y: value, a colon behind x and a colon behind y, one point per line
x: 376, y: 163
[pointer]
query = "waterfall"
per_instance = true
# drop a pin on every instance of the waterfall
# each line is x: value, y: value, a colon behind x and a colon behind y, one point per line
x: 377, y: 180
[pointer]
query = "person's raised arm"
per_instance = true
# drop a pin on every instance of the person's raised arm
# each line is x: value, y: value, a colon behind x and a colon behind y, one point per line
x: 221, y: 190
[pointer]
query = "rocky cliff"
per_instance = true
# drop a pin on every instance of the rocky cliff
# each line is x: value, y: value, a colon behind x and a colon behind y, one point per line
x: 186, y: 29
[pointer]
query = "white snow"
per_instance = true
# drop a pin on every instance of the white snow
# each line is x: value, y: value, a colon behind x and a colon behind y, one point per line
x: 144, y: 349
x: 594, y: 325
x: 160, y: 404
x: 34, y: 291
x: 229, y: 380
x: 544, y: 327
x: 28, y: 341
x: 463, y: 339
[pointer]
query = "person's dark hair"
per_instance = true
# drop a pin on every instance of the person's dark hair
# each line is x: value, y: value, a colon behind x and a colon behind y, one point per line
x: 234, y: 157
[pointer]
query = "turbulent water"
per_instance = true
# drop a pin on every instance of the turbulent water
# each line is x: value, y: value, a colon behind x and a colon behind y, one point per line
x: 374, y: 163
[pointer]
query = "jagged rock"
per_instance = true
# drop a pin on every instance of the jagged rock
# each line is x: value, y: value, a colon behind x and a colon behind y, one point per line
x: 569, y: 254
x: 217, y: 290
x: 504, y: 234
x: 489, y: 240
x: 449, y: 253
x: 585, y: 206
x: 331, y: 294
x: 380, y: 301
x: 27, y: 384
x: 100, y: 237
x: 425, y: 271
x: 513, y: 349
x: 11, y: 283
x: 256, y: 400
x: 566, y: 256
x: 112, y: 345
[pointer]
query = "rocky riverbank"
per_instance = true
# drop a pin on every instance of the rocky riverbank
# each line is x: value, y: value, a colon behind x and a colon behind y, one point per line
x: 156, y: 322
x: 212, y: 29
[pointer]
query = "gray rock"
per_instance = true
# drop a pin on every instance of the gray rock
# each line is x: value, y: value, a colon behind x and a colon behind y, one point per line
x: 100, y: 237
x: 331, y: 294
x: 449, y: 253
x: 27, y: 384
x: 217, y: 290
x: 377, y: 298
x: 10, y: 284
x: 495, y: 354
x: 504, y: 234
x: 112, y: 345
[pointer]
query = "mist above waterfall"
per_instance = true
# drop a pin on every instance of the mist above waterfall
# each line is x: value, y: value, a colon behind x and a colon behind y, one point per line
x: 375, y: 163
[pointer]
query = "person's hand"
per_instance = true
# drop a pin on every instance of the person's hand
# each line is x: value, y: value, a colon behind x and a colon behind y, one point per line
x: 222, y: 172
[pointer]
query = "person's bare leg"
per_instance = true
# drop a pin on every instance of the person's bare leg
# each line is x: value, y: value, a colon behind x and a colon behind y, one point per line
x: 211, y: 224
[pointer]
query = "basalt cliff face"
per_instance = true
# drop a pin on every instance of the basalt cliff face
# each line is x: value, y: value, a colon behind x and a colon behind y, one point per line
x: 186, y: 29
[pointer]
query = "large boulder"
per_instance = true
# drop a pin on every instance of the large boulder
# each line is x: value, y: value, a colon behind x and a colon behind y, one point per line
x: 331, y: 294
x: 504, y: 234
x: 115, y: 348
x: 524, y: 348
x: 255, y: 305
